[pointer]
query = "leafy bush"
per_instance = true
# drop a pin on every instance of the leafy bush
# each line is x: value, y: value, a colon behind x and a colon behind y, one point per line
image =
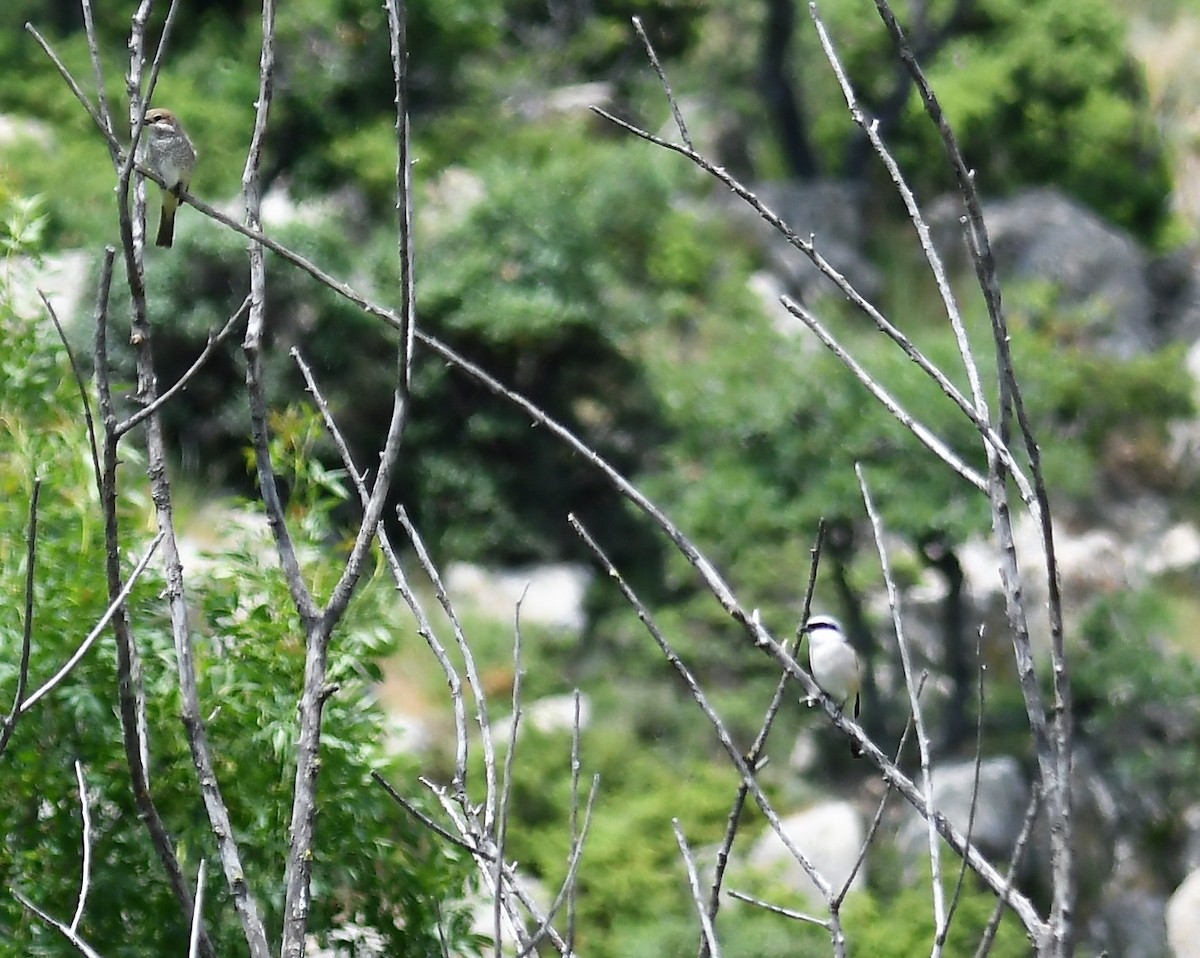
x: 374, y: 865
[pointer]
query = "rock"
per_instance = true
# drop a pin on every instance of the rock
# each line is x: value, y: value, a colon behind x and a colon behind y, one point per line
x: 768, y: 289
x: 1130, y: 923
x: 1183, y: 918
x: 571, y: 100
x: 553, y: 593
x: 1099, y: 272
x: 554, y: 713
x: 23, y: 129
x: 65, y: 278
x: 830, y: 835
x: 831, y: 213
x: 999, y: 811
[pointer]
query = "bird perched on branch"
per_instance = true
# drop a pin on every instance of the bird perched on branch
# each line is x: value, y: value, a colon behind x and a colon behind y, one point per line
x: 166, y: 149
x: 834, y: 664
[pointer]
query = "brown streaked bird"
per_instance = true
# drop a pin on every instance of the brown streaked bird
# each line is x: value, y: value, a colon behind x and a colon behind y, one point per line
x: 166, y: 149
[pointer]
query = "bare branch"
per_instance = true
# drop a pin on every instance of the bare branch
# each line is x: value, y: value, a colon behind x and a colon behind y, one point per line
x: 85, y: 876
x: 72, y: 937
x: 113, y: 608
x: 877, y: 820
x: 917, y: 428
x: 76, y: 369
x: 710, y: 935
x: 506, y: 778
x: 662, y: 77
x: 397, y: 12
x: 425, y: 628
x: 949, y: 302
x: 197, y: 913
x: 473, y: 681
x: 776, y: 909
x: 914, y: 702
x: 214, y: 340
x: 697, y: 693
x: 962, y: 871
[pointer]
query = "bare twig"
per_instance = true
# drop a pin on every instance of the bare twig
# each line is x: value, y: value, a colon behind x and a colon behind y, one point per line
x: 473, y: 681
x: 424, y: 627
x: 662, y: 77
x: 69, y: 934
x: 197, y: 913
x: 10, y: 721
x: 114, y: 607
x: 397, y: 12
x: 85, y: 875
x: 566, y: 890
x: 877, y: 820
x: 506, y: 778
x: 214, y: 340
x: 77, y: 370
x: 739, y: 762
x: 914, y: 702
x: 917, y: 428
x: 706, y: 925
x: 949, y: 302
x: 809, y: 249
x: 776, y: 909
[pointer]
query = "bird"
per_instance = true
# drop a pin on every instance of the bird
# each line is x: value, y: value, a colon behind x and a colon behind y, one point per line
x: 834, y: 665
x: 166, y: 149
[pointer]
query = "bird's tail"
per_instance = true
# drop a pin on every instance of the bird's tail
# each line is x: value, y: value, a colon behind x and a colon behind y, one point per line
x: 166, y: 222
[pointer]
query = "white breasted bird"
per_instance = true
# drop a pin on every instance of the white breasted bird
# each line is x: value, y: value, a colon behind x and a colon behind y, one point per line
x: 834, y: 664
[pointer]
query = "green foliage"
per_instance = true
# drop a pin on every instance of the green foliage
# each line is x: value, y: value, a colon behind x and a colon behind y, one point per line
x: 374, y: 865
x: 1138, y: 701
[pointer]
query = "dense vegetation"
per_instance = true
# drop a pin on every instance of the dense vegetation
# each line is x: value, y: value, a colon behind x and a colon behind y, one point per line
x: 593, y: 274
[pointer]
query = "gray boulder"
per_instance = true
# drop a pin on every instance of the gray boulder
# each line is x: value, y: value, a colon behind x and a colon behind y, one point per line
x: 830, y: 835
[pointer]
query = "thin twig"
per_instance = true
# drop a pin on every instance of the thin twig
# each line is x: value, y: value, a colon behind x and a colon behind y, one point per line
x: 706, y: 925
x: 910, y: 681
x: 698, y: 695
x: 662, y: 77
x: 949, y: 301
x: 85, y: 875
x: 71, y: 936
x: 77, y: 370
x: 113, y: 608
x: 576, y: 839
x: 778, y: 910
x: 424, y: 627
x: 809, y: 249
x: 927, y: 437
x: 197, y: 913
x: 473, y: 680
x: 506, y: 778
x: 214, y: 340
x: 566, y: 890
x: 397, y: 13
